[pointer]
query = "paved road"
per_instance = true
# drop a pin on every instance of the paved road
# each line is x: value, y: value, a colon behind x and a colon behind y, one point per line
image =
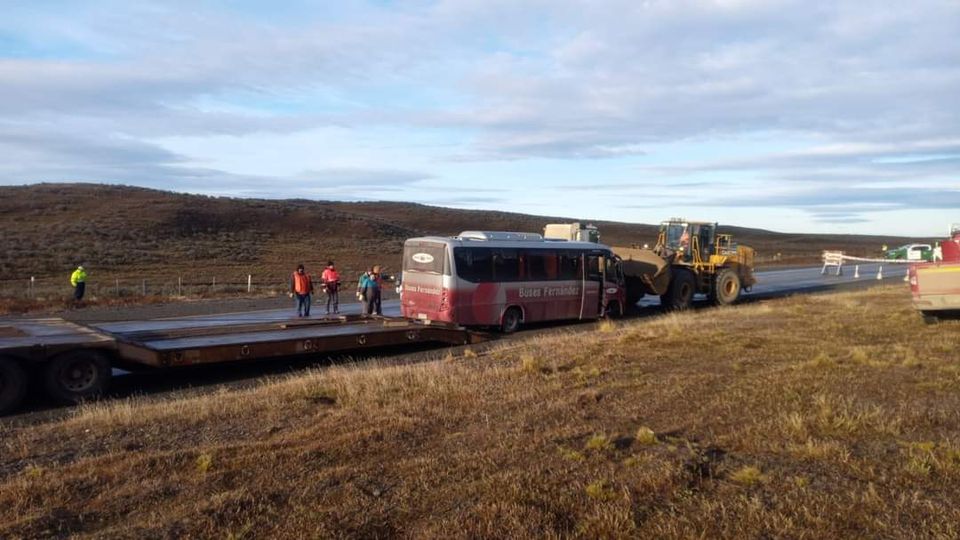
x: 774, y: 282
x: 770, y: 283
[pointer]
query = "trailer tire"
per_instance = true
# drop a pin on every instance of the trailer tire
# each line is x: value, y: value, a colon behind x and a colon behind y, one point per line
x: 511, y: 320
x: 726, y: 287
x: 77, y: 376
x: 679, y: 295
x: 13, y: 385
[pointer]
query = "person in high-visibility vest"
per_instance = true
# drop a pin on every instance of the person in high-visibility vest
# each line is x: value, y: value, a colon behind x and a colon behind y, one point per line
x: 331, y: 284
x: 78, y: 279
x: 301, y: 287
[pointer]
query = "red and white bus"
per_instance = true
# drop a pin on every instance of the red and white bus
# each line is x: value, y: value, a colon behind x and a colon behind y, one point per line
x: 504, y: 279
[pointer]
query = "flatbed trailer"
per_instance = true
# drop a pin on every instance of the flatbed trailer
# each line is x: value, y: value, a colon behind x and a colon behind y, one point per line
x: 73, y: 363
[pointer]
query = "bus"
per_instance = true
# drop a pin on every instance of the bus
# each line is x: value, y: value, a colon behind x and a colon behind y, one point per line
x: 505, y: 279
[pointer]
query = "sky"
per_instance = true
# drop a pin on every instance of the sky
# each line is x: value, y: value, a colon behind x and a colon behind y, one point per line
x: 799, y: 116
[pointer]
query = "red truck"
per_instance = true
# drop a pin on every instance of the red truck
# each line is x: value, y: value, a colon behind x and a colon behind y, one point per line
x: 936, y: 285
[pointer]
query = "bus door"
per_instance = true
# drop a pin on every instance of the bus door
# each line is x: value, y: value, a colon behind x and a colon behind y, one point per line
x: 612, y: 283
x: 603, y: 296
x: 591, y: 286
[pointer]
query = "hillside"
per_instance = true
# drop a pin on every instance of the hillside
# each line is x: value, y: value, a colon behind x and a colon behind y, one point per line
x: 716, y: 423
x: 130, y: 234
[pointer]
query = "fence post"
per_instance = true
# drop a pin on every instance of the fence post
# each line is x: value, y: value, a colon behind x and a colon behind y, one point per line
x: 33, y: 287
x: 144, y: 287
x: 117, y: 283
x: 179, y: 285
x: 214, y: 282
x: 249, y: 282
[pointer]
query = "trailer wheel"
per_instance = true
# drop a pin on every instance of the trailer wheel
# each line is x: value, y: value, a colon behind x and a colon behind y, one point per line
x: 679, y: 295
x: 13, y: 385
x: 725, y: 289
x: 511, y: 320
x: 77, y: 376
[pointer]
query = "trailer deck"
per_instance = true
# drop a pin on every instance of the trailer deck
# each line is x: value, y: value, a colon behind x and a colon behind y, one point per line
x: 41, y: 338
x: 74, y: 357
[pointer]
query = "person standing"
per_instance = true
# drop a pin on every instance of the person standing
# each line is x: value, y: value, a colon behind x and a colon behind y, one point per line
x: 301, y: 287
x: 362, y: 291
x: 331, y: 284
x: 370, y: 287
x: 78, y: 279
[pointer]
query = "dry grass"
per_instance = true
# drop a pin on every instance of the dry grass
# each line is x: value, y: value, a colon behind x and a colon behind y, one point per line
x: 831, y: 416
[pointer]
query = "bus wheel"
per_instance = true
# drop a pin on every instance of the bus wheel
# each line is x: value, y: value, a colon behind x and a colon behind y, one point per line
x: 726, y: 288
x: 13, y: 385
x: 511, y: 320
x: 679, y: 294
x: 612, y: 310
x: 77, y: 376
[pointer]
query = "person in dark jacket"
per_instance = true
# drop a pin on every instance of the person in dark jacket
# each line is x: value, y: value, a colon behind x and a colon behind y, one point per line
x: 369, y: 290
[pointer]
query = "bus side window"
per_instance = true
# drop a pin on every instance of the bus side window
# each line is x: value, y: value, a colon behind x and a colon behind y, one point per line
x: 474, y: 264
x: 569, y: 265
x: 541, y: 265
x: 593, y: 267
x: 506, y: 265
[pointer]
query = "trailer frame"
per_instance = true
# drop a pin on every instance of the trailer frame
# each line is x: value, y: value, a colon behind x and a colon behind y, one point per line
x: 37, y: 347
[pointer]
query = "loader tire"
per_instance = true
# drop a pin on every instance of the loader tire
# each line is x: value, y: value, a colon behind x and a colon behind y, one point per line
x: 13, y: 385
x: 726, y: 287
x: 77, y: 376
x: 679, y: 295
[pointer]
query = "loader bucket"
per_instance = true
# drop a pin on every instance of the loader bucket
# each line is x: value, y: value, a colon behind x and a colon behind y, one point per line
x: 645, y: 267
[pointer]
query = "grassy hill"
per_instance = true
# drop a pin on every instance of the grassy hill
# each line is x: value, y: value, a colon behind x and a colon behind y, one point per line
x: 131, y: 234
x: 828, y: 416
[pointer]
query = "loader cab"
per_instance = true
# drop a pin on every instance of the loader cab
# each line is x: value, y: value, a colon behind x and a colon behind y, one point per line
x: 689, y: 240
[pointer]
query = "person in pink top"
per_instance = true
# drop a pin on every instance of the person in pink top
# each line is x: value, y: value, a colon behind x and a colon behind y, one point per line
x: 331, y: 284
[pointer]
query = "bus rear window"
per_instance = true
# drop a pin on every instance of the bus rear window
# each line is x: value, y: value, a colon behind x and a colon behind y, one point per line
x: 426, y: 257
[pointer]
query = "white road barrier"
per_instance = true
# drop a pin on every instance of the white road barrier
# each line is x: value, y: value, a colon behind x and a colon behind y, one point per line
x: 837, y: 258
x: 832, y: 258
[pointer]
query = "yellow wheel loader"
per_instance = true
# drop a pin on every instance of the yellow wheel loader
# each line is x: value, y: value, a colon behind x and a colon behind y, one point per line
x: 690, y: 258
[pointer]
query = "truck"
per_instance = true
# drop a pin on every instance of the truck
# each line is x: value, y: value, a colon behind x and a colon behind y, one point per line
x: 935, y: 286
x: 71, y: 363
x: 910, y: 252
x: 690, y: 257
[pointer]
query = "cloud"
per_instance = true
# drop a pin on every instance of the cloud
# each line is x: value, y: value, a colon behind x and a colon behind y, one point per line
x: 847, y: 205
x: 363, y: 177
x: 861, y: 94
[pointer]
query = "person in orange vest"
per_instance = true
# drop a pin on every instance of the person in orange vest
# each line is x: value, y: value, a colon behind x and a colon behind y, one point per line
x: 301, y: 287
x: 331, y: 284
